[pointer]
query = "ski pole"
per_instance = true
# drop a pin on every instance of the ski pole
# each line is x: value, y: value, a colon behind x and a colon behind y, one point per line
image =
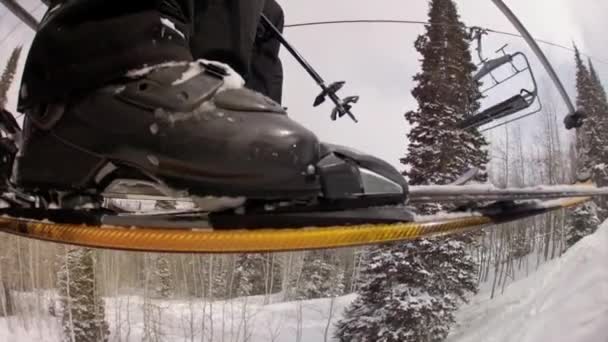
x: 343, y: 106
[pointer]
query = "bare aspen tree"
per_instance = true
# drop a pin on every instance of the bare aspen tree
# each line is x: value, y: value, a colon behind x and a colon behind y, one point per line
x: 330, y: 316
x: 6, y: 297
x: 299, y: 321
x: 481, y: 257
x: 354, y: 279
x: 274, y: 327
x: 509, y: 273
x: 498, y: 264
x: 287, y: 272
x: 152, y: 312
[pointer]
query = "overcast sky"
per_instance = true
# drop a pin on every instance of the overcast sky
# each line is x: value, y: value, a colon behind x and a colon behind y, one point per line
x: 378, y: 61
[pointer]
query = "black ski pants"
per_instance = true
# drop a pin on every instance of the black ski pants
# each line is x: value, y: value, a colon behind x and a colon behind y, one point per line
x: 84, y: 44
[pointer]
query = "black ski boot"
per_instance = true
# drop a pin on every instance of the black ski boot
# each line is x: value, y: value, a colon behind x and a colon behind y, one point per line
x: 181, y: 123
x: 97, y: 118
x: 193, y: 127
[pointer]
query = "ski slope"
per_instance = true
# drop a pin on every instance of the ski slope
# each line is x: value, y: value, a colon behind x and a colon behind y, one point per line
x: 566, y: 300
x: 252, y: 319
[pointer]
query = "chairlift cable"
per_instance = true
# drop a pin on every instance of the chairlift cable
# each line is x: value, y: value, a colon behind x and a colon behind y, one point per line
x: 417, y: 22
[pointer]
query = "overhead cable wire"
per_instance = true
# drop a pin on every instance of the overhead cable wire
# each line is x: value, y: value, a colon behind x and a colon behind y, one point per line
x: 418, y: 22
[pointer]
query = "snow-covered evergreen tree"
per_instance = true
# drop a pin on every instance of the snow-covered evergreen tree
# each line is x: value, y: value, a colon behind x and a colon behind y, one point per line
x: 600, y: 168
x: 246, y: 267
x: 591, y: 140
x: 215, y: 276
x: 162, y: 278
x: 321, y: 276
x: 6, y: 80
x: 402, y: 298
x: 256, y: 274
x: 583, y: 220
x: 83, y: 313
x: 446, y: 92
x: 439, y: 151
x: 597, y: 83
x: 413, y: 289
x: 410, y: 292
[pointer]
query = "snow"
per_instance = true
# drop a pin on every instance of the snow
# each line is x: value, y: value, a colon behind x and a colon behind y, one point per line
x: 53, y: 9
x: 147, y: 69
x: 182, y: 319
x: 442, y: 215
x: 232, y: 80
x: 565, y: 300
x: 171, y: 25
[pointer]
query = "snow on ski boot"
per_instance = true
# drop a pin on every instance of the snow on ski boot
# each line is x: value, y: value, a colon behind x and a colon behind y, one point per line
x: 9, y: 137
x: 194, y: 128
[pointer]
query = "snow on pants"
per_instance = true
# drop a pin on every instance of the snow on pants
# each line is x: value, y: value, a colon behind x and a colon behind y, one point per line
x: 84, y: 44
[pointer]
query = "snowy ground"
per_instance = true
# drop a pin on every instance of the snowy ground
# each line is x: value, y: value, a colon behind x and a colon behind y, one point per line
x: 243, y: 319
x: 564, y: 300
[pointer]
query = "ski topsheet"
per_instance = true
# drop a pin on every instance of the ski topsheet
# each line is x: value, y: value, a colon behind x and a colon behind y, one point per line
x: 208, y: 240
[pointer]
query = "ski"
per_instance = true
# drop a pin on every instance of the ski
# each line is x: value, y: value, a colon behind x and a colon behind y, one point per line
x: 195, y: 232
x: 276, y: 190
x: 456, y: 192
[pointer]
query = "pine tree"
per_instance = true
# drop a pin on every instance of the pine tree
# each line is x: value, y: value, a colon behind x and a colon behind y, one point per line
x: 446, y: 92
x: 590, y: 143
x: 590, y: 139
x: 162, y: 278
x: 8, y: 75
x: 600, y: 168
x: 218, y: 287
x: 412, y: 290
x: 321, y: 276
x: 597, y: 83
x: 583, y: 221
x: 256, y: 274
x: 400, y: 299
x: 439, y: 151
x: 83, y: 313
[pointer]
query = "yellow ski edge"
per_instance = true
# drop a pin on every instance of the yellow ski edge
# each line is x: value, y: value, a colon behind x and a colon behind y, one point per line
x: 249, y: 241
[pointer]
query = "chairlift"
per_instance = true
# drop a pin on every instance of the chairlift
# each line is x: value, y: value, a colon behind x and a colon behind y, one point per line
x: 512, y: 105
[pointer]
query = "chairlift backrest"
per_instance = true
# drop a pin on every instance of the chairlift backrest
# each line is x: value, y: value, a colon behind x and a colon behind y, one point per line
x: 491, y: 65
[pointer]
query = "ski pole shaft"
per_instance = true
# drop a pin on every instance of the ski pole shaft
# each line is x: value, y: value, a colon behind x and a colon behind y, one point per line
x: 311, y: 71
x: 21, y: 13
